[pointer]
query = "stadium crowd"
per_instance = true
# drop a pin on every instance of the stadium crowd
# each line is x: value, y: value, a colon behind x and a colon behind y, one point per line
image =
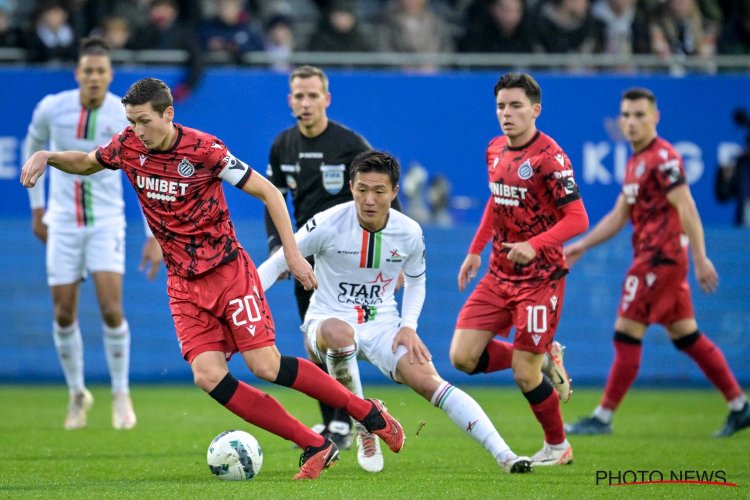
x: 49, y: 30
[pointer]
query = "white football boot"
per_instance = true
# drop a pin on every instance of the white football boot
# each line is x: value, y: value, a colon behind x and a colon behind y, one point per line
x: 516, y: 465
x: 78, y: 407
x: 553, y: 455
x: 369, y: 455
x: 123, y: 416
x: 554, y: 369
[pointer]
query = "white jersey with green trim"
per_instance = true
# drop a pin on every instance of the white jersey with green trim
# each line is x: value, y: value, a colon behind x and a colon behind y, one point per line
x: 61, y: 123
x: 356, y: 269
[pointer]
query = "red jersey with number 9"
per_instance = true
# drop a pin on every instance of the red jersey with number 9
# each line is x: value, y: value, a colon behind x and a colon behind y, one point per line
x: 658, y: 237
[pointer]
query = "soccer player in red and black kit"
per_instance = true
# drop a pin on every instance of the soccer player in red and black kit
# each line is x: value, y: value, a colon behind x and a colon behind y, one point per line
x: 656, y: 199
x: 534, y: 207
x: 216, y: 298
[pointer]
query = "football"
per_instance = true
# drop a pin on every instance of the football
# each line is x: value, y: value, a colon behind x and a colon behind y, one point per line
x: 234, y: 456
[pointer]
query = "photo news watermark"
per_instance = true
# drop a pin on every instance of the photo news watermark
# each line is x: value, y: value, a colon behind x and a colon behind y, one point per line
x: 634, y: 477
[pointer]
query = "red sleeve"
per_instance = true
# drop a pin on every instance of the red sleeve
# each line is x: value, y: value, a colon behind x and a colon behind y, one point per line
x: 484, y: 231
x: 574, y: 222
x: 108, y: 155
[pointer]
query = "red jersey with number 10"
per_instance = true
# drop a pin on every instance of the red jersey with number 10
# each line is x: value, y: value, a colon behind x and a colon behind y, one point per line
x: 658, y: 237
x: 181, y: 195
x: 529, y: 184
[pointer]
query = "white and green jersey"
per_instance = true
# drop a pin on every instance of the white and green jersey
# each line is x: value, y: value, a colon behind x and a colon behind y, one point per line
x: 61, y: 123
x: 356, y: 269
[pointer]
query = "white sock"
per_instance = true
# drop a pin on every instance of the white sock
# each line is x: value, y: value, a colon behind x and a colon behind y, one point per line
x: 738, y: 403
x: 342, y: 365
x: 69, y: 345
x: 603, y: 414
x: 470, y: 418
x: 117, y: 348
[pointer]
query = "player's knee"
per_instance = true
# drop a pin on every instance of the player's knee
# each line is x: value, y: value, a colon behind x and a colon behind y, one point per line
x: 112, y: 317
x: 522, y: 379
x: 336, y: 334
x: 64, y: 317
x: 463, y: 362
x: 526, y: 375
x: 208, y: 379
x: 266, y: 370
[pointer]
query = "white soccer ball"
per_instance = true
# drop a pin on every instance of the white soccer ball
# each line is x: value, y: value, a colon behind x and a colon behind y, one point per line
x: 234, y: 456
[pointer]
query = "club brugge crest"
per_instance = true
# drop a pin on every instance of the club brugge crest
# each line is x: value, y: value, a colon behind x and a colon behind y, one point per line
x: 525, y: 170
x: 185, y: 168
x: 333, y: 177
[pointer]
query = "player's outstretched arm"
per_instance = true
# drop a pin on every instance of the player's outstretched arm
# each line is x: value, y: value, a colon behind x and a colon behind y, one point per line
x: 705, y: 273
x: 71, y: 162
x: 610, y: 225
x: 261, y: 188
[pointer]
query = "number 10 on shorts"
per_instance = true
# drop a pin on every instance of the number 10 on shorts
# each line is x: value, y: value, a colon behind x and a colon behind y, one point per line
x: 536, y: 319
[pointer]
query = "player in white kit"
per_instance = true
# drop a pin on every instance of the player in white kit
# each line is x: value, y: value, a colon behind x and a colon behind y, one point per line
x: 360, y: 247
x: 83, y: 227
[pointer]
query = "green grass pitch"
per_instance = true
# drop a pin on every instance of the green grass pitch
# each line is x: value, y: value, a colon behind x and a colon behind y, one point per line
x: 165, y: 455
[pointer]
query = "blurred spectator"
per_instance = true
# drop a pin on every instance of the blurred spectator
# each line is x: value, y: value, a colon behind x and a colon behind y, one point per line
x: 50, y: 36
x: 565, y: 26
x: 279, y: 41
x: 299, y: 12
x: 117, y: 33
x: 624, y: 27
x: 85, y: 15
x: 134, y: 11
x: 499, y: 26
x: 339, y: 30
x: 412, y: 26
x: 190, y: 13
x: 735, y: 39
x: 231, y: 31
x: 164, y: 32
x: 712, y: 10
x: 679, y: 28
x: 10, y: 36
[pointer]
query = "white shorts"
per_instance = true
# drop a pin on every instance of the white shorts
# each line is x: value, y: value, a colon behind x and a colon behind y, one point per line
x: 71, y: 252
x: 373, y: 340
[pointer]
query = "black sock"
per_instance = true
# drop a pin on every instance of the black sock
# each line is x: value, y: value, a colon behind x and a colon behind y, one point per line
x: 374, y: 421
x: 328, y: 412
x: 225, y: 389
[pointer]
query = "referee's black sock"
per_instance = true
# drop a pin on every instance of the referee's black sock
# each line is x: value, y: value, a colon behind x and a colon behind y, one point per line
x: 326, y: 411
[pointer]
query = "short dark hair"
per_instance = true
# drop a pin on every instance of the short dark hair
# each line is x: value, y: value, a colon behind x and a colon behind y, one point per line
x: 521, y: 81
x: 150, y: 90
x: 93, y: 46
x: 378, y: 162
x: 636, y: 93
x: 308, y: 71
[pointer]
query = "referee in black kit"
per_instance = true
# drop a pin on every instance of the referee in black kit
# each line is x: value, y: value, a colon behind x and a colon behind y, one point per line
x: 311, y: 159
